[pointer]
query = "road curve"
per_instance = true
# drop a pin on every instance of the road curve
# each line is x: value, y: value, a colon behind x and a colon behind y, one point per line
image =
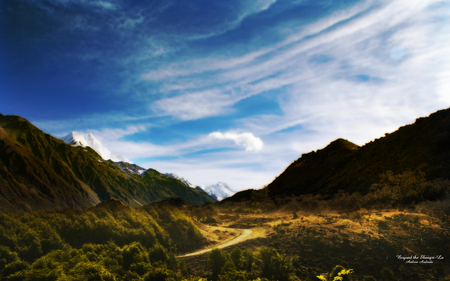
x: 244, y: 236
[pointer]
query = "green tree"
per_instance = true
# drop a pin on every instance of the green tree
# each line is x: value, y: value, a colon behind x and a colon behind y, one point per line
x: 133, y: 253
x: 158, y: 254
x: 15, y: 270
x: 6, y: 257
x: 228, y: 267
x: 266, y: 255
x: 281, y: 268
x: 160, y: 274
x: 236, y: 257
x: 216, y: 261
x: 248, y: 259
x: 89, y: 271
x: 236, y: 275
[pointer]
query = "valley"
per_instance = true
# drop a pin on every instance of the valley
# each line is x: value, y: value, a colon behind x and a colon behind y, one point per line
x: 366, y: 241
x: 376, y: 212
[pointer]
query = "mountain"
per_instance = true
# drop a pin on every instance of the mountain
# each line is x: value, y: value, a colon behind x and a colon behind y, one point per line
x: 130, y: 168
x: 218, y: 191
x: 38, y: 171
x: 84, y: 140
x: 183, y: 180
x: 422, y: 147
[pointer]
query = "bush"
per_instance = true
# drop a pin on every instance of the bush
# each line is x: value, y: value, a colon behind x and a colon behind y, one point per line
x: 133, y: 253
x: 6, y: 257
x: 158, y: 254
x: 387, y: 274
x: 407, y: 188
x: 160, y: 274
x: 236, y: 275
x: 91, y: 272
x: 339, y: 270
x: 12, y: 269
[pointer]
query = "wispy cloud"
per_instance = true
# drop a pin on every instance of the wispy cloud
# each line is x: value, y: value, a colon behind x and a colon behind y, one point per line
x: 356, y: 73
x: 195, y: 105
x: 363, y: 75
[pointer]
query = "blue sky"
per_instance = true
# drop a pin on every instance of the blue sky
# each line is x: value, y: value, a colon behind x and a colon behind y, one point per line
x: 230, y: 91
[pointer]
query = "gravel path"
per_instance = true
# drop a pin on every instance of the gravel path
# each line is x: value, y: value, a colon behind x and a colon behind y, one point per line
x: 246, y: 233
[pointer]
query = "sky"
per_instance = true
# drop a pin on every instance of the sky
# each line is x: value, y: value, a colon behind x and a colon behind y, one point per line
x: 229, y: 91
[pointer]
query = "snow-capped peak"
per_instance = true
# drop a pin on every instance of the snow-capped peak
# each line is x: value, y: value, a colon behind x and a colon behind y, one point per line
x: 78, y: 139
x: 220, y: 190
x: 183, y: 180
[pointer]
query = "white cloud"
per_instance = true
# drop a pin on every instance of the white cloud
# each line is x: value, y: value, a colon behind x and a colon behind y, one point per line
x: 389, y: 64
x: 195, y: 105
x: 404, y: 60
x: 247, y: 140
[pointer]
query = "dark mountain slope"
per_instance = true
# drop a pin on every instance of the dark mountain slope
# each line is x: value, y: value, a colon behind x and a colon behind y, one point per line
x: 424, y: 146
x: 38, y: 171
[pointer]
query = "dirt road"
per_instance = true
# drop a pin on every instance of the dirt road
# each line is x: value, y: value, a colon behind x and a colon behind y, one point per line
x: 245, y: 234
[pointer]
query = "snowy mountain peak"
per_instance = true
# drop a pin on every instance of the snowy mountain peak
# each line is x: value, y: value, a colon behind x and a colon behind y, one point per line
x: 183, y: 180
x: 79, y: 139
x: 219, y: 190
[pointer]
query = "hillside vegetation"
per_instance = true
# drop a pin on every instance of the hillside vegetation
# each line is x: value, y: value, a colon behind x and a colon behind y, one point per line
x: 40, y: 172
x: 409, y: 165
x: 111, y: 241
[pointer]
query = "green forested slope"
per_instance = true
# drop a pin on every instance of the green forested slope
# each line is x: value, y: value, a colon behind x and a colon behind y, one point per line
x: 38, y: 171
x: 111, y: 241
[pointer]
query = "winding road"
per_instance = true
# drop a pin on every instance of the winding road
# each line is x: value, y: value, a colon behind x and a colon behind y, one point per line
x: 246, y: 233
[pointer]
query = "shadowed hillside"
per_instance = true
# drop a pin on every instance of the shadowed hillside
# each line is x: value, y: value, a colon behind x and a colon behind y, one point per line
x: 421, y: 150
x: 424, y: 146
x: 38, y: 171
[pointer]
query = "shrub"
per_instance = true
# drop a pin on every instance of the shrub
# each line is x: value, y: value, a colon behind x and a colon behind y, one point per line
x: 387, y: 274
x: 236, y: 275
x: 133, y: 253
x: 159, y: 274
x: 340, y: 271
x: 14, y: 269
x: 158, y: 253
x: 91, y: 272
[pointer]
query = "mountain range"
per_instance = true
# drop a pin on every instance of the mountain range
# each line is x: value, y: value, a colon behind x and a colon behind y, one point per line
x: 218, y: 191
x: 39, y: 171
x: 422, y: 147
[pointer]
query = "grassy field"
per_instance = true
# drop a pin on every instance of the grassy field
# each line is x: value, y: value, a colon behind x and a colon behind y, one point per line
x: 382, y: 243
